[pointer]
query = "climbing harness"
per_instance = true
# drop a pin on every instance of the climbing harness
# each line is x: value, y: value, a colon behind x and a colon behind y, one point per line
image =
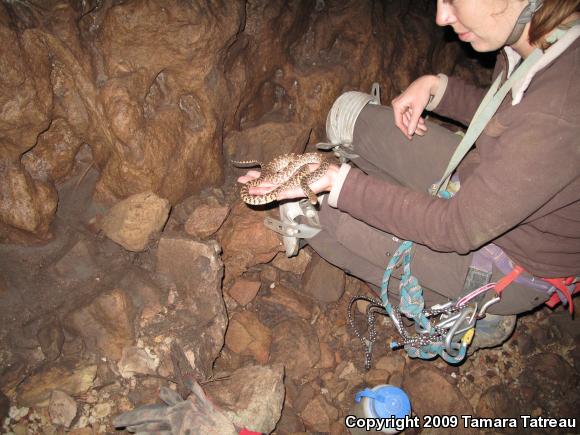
x: 450, y: 335
x: 448, y: 338
x: 447, y: 330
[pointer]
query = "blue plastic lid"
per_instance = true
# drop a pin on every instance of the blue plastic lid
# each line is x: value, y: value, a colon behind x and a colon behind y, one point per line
x: 390, y: 401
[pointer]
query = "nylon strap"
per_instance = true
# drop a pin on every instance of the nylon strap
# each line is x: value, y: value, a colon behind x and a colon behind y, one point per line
x: 560, y: 284
x: 508, y: 279
x: 483, y: 115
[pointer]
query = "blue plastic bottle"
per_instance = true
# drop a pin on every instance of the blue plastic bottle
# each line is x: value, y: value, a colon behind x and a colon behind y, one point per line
x: 383, y: 402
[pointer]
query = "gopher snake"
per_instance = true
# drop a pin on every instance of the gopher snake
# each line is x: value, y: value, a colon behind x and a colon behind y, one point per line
x: 286, y: 171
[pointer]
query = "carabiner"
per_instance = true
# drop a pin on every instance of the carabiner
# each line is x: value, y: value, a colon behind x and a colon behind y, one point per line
x: 488, y: 304
x: 454, y: 330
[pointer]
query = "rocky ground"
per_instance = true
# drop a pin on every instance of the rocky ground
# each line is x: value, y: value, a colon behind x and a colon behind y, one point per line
x: 89, y: 321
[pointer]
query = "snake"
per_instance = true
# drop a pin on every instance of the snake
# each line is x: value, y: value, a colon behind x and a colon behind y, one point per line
x: 287, y: 171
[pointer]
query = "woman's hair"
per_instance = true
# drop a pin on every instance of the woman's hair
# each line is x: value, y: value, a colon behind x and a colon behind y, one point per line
x: 548, y: 17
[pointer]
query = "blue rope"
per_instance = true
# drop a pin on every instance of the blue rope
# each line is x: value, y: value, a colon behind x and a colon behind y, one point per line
x: 412, y: 305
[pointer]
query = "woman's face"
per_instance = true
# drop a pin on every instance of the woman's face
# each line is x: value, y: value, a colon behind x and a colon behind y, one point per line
x: 485, y: 24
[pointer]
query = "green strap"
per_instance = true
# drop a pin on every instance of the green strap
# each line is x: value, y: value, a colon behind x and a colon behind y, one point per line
x: 483, y: 115
x: 561, y: 31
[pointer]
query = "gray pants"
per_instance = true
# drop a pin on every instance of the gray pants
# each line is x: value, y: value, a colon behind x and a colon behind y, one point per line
x: 364, y: 251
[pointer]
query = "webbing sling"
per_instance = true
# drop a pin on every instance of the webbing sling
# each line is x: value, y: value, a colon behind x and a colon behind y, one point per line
x: 483, y: 115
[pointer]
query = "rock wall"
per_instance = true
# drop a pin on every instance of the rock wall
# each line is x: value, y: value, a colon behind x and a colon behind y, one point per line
x: 153, y: 87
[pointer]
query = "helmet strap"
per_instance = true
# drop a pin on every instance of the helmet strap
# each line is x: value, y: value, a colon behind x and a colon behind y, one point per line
x: 525, y: 17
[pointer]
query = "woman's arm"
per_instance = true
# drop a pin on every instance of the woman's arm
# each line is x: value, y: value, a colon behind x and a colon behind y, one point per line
x: 460, y: 100
x: 522, y: 170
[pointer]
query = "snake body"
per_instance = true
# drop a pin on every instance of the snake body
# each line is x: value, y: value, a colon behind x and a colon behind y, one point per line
x: 287, y: 171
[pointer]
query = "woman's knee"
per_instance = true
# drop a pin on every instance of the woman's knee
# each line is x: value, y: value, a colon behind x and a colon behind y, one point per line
x: 373, y: 132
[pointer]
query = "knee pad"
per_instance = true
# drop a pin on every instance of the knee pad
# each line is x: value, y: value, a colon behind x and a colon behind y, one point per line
x: 343, y: 115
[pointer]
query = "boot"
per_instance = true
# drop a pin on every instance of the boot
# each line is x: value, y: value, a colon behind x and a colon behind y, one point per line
x: 492, y: 331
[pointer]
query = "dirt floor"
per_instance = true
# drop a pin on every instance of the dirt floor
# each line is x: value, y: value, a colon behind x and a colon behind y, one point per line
x: 535, y: 373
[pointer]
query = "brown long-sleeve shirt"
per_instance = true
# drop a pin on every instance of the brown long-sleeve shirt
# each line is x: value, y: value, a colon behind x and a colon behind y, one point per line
x: 520, y: 186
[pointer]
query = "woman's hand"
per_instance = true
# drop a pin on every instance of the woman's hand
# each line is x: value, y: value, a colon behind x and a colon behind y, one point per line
x: 323, y: 184
x: 408, y: 106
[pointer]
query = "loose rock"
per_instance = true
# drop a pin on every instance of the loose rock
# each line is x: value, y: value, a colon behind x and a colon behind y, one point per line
x: 195, y: 267
x: 51, y: 339
x: 319, y: 415
x: 347, y: 370
x: 526, y: 344
x: 246, y: 241
x: 542, y: 367
x: 377, y: 377
x: 251, y: 397
x: 334, y: 385
x: 296, y: 264
x: 132, y: 222
x: 106, y: 324
x: 323, y: 281
x: 101, y: 410
x: 206, y: 220
x: 295, y: 345
x: 269, y: 274
x: 136, y: 361
x: 393, y: 363
x: 201, y: 320
x: 306, y: 394
x: 431, y: 393
x: 62, y: 408
x: 283, y: 298
x: 327, y: 359
x: 497, y: 401
x: 538, y: 373
x: 246, y: 335
x: 68, y: 376
x: 396, y: 379
x: 244, y: 291
x: 289, y: 423
x: 145, y: 294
